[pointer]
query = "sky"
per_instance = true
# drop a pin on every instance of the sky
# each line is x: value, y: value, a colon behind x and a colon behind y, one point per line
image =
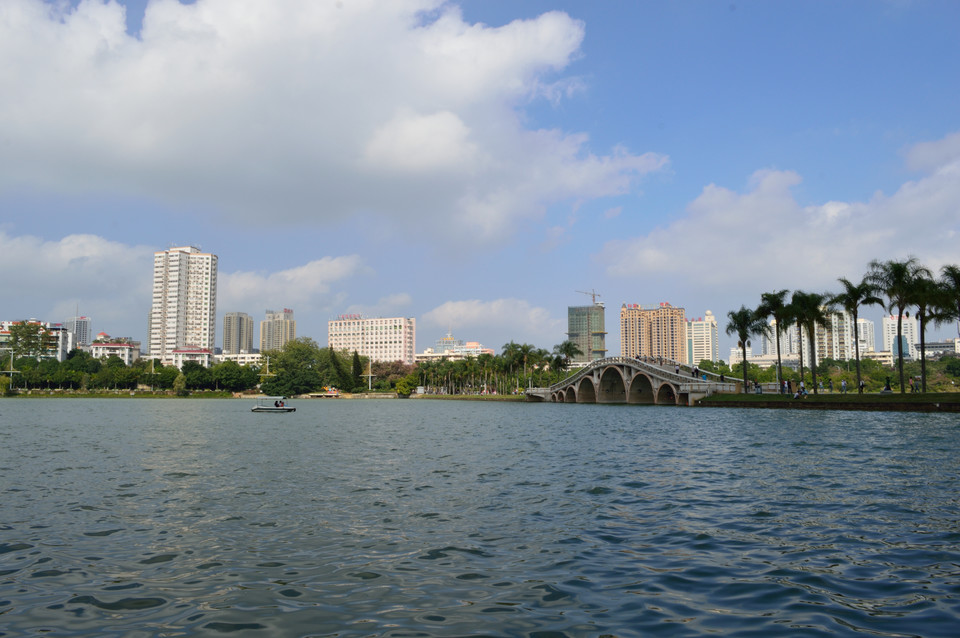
x: 478, y: 165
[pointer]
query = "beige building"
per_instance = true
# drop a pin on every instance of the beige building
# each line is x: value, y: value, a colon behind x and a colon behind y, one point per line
x: 702, y: 340
x: 277, y: 329
x: 184, y: 309
x: 653, y: 331
x: 380, y: 339
x: 237, y: 333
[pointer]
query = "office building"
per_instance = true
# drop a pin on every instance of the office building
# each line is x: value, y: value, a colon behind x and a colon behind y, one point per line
x: 380, y: 339
x: 585, y: 327
x: 277, y: 329
x: 184, y: 310
x: 653, y: 331
x: 703, y: 339
x: 237, y: 333
x: 80, y: 327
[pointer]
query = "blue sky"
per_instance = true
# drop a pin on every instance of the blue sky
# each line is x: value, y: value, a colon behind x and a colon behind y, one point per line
x: 471, y: 164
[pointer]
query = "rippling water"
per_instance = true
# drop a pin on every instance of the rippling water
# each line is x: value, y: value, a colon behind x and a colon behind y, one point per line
x: 429, y: 518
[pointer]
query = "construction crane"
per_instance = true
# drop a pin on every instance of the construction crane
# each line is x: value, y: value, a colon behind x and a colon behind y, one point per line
x: 593, y: 294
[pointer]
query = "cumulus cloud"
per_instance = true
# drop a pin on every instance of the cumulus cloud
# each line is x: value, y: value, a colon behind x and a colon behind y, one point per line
x: 309, y: 285
x: 305, y: 112
x: 747, y: 242
x: 51, y: 280
x: 474, y: 319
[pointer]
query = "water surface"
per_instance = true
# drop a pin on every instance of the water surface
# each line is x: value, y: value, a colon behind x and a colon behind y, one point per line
x: 434, y: 518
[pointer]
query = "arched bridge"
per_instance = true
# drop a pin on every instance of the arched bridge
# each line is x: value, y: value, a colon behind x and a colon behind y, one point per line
x: 635, y: 381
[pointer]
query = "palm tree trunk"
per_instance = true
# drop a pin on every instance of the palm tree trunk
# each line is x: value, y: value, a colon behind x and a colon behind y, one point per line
x: 900, y: 347
x: 813, y: 358
x: 923, y: 355
x: 856, y: 346
x: 743, y: 345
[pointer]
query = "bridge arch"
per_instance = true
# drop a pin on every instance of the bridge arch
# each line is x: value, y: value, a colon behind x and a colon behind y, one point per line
x: 666, y: 394
x: 612, y: 386
x: 641, y: 390
x: 586, y: 392
x: 571, y: 395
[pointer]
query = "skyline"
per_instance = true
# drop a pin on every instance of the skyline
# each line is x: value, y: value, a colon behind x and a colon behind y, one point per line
x: 475, y: 164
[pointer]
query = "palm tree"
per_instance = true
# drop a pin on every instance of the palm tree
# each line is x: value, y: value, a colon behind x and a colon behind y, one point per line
x: 896, y: 280
x: 772, y: 304
x: 933, y: 301
x: 852, y: 297
x: 809, y: 312
x: 568, y: 350
x: 950, y: 280
x: 743, y: 323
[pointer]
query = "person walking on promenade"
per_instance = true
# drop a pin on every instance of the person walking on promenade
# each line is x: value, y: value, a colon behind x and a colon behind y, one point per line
x: 861, y: 386
x: 843, y: 386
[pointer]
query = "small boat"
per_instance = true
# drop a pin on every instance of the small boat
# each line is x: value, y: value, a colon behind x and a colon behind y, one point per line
x: 272, y: 404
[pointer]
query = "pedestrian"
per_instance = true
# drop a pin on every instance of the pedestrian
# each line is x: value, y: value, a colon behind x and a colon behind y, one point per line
x: 861, y: 386
x: 676, y: 368
x: 831, y: 386
x: 843, y: 386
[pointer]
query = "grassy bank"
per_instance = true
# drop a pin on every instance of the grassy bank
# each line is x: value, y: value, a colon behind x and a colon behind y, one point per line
x: 913, y: 402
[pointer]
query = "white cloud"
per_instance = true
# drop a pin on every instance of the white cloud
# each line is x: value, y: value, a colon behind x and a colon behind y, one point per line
x: 304, y: 111
x: 473, y: 319
x: 309, y: 285
x: 51, y: 280
x: 746, y: 243
x: 928, y: 156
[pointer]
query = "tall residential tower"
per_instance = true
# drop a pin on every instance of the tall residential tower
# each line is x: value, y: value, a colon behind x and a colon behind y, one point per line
x: 184, y: 310
x: 277, y: 329
x: 237, y: 333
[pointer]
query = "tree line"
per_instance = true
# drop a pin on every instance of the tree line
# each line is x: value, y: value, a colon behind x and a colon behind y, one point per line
x: 300, y: 367
x: 900, y: 286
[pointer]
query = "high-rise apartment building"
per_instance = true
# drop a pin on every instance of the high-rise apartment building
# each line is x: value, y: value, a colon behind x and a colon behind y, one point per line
x: 277, y: 329
x: 585, y: 327
x: 380, y: 339
x: 835, y: 339
x: 184, y: 309
x: 866, y: 335
x: 910, y: 332
x: 702, y: 339
x: 653, y: 331
x: 237, y: 333
x: 80, y: 328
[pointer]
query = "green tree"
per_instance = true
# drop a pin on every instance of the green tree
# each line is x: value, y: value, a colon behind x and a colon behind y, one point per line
x: 744, y: 323
x: 197, y: 375
x: 950, y: 280
x: 773, y: 305
x: 357, y: 371
x: 850, y: 299
x: 569, y: 351
x: 809, y: 311
x: 180, y: 385
x: 28, y: 339
x: 896, y: 280
x: 406, y: 385
x: 296, y: 369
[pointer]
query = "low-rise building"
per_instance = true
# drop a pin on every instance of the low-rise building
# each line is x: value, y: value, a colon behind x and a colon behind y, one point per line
x: 105, y: 346
x: 200, y: 355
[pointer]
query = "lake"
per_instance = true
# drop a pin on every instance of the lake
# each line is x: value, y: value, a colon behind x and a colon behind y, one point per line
x: 153, y: 517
